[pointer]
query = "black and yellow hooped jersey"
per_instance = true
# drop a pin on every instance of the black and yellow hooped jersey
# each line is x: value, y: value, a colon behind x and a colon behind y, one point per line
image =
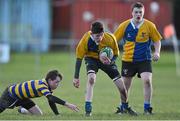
x: 88, y: 48
x: 30, y: 89
x: 137, y: 40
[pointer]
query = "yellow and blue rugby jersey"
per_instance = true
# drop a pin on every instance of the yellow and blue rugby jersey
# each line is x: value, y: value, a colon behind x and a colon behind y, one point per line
x: 137, y: 41
x: 30, y: 89
x: 88, y: 48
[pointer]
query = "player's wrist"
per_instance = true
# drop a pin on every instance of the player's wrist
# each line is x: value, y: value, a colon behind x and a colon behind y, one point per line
x: 57, y: 113
x: 66, y: 104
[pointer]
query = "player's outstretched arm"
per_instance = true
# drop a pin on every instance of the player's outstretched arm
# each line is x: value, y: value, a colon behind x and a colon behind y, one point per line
x: 72, y: 106
x: 54, y: 99
x: 53, y: 107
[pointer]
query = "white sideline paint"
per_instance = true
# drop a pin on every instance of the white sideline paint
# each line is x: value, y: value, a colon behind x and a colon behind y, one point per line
x: 176, y: 49
x: 176, y: 54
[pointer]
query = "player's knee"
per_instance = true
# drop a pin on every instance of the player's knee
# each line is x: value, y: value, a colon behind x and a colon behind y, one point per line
x: 146, y: 79
x: 147, y: 82
x: 91, y: 80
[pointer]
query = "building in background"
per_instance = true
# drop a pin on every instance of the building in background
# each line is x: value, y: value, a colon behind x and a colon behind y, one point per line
x: 25, y: 24
x: 71, y: 18
x: 40, y: 25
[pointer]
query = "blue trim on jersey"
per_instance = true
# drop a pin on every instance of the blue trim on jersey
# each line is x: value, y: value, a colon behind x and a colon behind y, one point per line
x: 92, y: 46
x: 27, y: 89
x: 41, y: 82
x: 46, y: 93
x: 130, y: 33
x: 34, y: 88
x: 20, y: 90
x: 42, y: 88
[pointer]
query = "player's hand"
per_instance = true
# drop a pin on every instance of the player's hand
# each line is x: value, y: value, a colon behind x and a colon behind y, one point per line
x: 72, y: 106
x: 76, y: 83
x: 105, y: 60
x: 156, y: 56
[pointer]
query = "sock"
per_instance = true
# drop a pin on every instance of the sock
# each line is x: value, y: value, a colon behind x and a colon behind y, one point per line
x: 146, y: 105
x: 88, y: 106
x: 124, y: 106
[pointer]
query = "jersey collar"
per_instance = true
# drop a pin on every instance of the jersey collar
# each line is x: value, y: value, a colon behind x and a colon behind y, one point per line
x: 138, y: 26
x: 93, y: 40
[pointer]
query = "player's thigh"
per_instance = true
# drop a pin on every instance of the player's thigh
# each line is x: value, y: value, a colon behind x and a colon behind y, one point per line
x: 145, y: 70
x: 128, y: 69
x: 111, y: 71
x: 91, y: 65
x: 26, y: 103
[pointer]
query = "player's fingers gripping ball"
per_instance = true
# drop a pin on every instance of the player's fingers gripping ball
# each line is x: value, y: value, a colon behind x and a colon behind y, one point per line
x: 105, y: 55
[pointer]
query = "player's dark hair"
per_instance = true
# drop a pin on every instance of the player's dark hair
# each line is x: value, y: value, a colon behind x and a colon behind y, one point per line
x: 53, y: 74
x: 97, y: 27
x: 137, y: 5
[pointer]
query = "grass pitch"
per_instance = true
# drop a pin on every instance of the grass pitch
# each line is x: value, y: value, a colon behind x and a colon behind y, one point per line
x: 166, y: 85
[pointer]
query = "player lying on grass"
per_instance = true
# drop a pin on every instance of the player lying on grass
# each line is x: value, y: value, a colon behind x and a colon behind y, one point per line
x: 20, y: 94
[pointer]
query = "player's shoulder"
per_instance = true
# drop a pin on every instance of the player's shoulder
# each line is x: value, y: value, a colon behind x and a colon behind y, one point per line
x: 110, y: 35
x: 42, y: 82
x: 87, y: 34
x: 125, y: 23
x: 149, y: 23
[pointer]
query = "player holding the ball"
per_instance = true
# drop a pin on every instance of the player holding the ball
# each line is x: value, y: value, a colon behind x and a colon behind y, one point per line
x: 106, y: 55
x: 89, y: 48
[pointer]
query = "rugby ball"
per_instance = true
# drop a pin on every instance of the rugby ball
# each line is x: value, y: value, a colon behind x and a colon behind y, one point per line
x: 106, y: 51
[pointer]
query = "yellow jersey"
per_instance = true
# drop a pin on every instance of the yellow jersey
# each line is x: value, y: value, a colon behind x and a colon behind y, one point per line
x: 88, y: 48
x: 137, y: 40
x: 30, y: 89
